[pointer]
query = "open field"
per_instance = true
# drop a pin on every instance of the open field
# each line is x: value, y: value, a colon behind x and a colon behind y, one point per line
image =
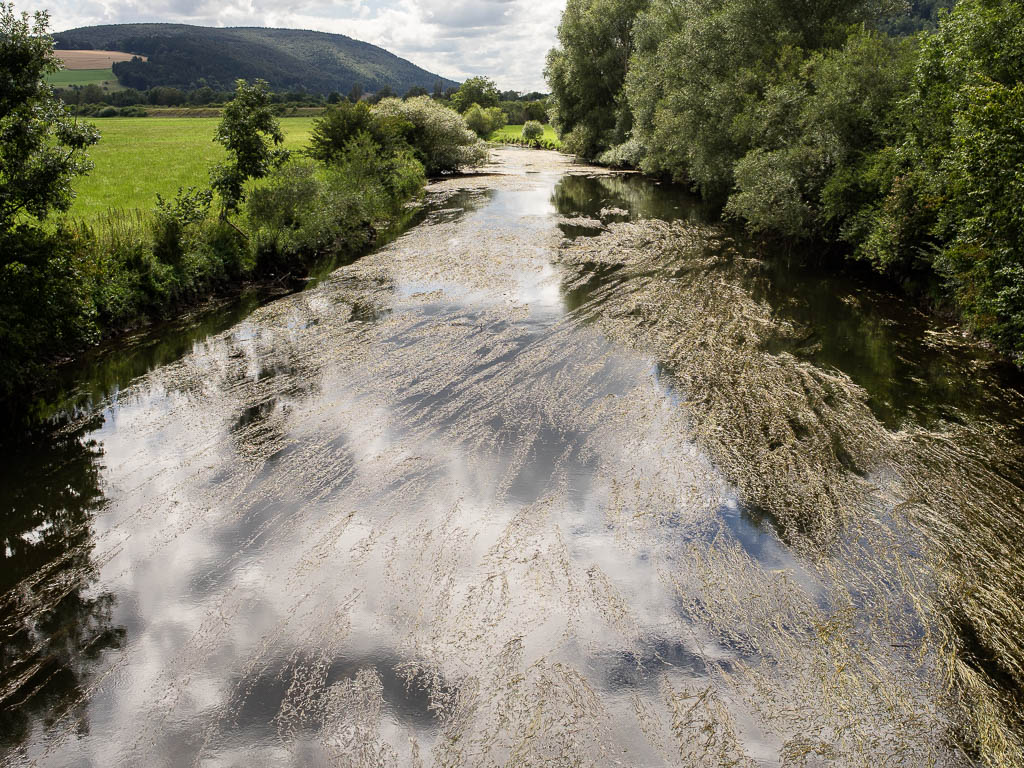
x: 513, y: 134
x: 92, y: 59
x: 139, y: 157
x: 69, y: 77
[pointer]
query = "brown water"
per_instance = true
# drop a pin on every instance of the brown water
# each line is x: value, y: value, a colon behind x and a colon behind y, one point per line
x: 563, y: 476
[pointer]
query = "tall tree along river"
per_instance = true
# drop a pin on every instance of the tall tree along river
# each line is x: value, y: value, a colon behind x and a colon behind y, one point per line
x: 565, y: 475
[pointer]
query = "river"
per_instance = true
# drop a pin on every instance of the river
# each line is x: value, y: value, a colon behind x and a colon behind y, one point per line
x: 565, y: 475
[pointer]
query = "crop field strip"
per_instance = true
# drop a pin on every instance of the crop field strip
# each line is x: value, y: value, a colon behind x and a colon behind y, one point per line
x: 78, y: 60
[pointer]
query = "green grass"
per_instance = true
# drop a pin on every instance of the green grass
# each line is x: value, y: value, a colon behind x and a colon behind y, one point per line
x: 68, y: 77
x: 512, y: 134
x: 139, y: 157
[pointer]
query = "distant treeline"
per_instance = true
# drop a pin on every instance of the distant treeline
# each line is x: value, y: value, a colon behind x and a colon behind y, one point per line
x: 898, y: 139
x: 95, y: 101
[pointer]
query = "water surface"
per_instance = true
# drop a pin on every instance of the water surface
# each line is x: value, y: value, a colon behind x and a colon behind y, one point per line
x: 565, y: 475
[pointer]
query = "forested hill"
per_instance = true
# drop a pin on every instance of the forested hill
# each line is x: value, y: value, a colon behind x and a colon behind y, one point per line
x: 182, y: 56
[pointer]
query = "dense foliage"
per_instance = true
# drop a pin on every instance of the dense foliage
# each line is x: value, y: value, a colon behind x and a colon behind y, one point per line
x: 476, y: 90
x: 485, y: 121
x: 43, y: 146
x: 42, y: 301
x: 189, y: 57
x: 823, y: 121
x: 439, y: 136
x: 587, y: 72
x: 533, y: 130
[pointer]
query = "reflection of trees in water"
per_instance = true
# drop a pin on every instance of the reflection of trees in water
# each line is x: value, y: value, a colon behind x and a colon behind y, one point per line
x: 877, y: 340
x: 642, y: 198
x: 51, y: 627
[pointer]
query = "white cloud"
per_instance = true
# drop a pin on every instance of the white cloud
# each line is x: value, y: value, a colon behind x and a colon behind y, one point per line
x: 506, y: 40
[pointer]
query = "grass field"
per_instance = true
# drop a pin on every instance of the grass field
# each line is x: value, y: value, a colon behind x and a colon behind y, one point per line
x: 69, y: 77
x: 139, y: 157
x: 512, y: 133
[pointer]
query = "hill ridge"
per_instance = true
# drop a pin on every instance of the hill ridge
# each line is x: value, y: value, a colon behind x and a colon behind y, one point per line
x: 191, y: 56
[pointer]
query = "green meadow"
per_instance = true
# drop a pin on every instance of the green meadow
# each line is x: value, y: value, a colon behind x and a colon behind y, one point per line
x: 69, y: 77
x: 513, y: 134
x: 140, y: 157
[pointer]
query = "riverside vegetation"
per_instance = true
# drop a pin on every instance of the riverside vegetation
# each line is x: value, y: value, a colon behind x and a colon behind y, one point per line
x: 892, y: 136
x: 66, y: 283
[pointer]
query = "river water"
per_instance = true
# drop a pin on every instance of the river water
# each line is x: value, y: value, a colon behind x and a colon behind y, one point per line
x: 565, y: 475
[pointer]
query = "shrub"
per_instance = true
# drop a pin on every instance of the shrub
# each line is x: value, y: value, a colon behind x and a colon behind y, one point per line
x: 439, y: 136
x: 478, y: 121
x: 303, y: 209
x: 484, y: 122
x: 533, y: 131
x: 175, y: 222
x: 629, y: 154
x: 341, y: 124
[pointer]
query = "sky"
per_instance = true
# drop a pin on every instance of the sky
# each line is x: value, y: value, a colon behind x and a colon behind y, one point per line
x: 506, y: 40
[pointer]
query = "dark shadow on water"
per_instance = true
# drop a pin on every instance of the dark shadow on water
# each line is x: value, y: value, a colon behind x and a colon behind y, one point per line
x: 261, y: 696
x: 611, y: 198
x: 881, y: 342
x: 53, y: 627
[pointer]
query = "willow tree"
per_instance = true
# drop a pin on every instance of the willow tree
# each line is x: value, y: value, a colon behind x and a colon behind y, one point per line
x: 586, y: 73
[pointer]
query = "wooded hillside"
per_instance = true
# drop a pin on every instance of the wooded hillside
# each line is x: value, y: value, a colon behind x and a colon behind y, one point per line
x: 182, y: 56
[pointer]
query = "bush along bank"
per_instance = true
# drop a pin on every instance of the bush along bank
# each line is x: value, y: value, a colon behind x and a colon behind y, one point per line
x: 70, y: 284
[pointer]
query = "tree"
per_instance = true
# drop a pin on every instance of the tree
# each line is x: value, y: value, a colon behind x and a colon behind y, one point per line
x: 476, y: 90
x: 438, y: 135
x: 356, y: 93
x: 44, y: 304
x: 252, y: 136
x: 533, y: 131
x: 484, y: 122
x: 43, y: 147
x: 586, y: 73
x: 384, y: 92
x: 416, y: 90
x: 959, y: 176
x: 730, y: 63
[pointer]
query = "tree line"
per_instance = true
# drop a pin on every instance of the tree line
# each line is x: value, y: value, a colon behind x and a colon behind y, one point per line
x: 515, y: 107
x: 894, y: 134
